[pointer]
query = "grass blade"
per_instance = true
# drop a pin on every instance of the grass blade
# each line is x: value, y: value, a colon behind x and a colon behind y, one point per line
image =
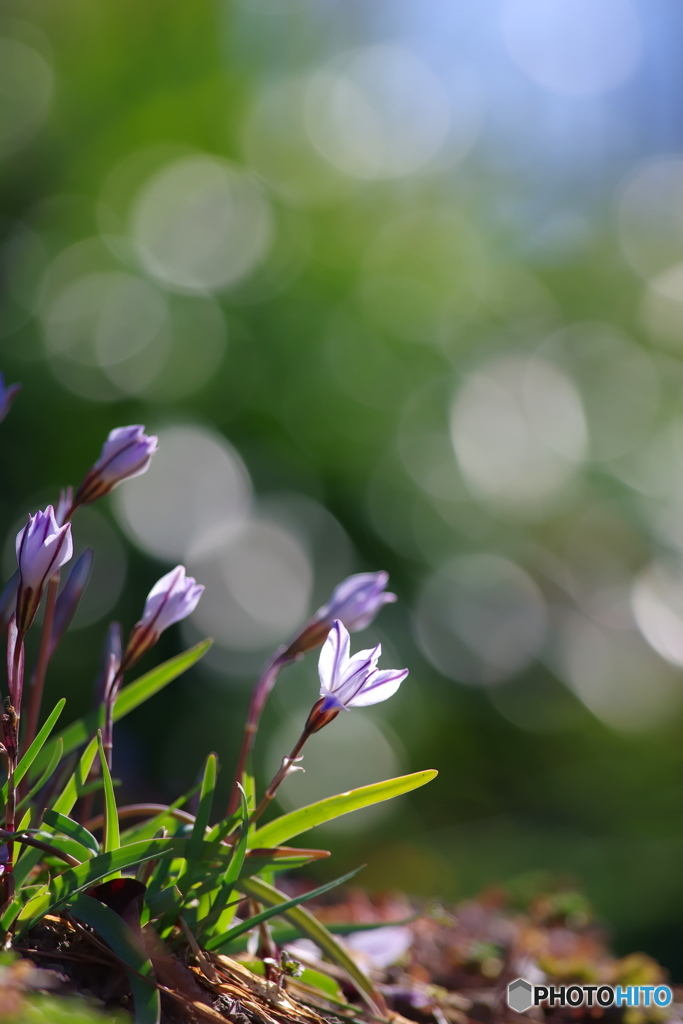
x: 296, y: 822
x: 63, y: 804
x: 126, y: 945
x: 201, y: 823
x: 313, y: 929
x: 275, y: 908
x: 51, y: 767
x: 129, y: 698
x: 281, y: 858
x: 222, y: 910
x: 69, y: 883
x: 111, y: 839
x: 73, y: 829
x: 37, y: 745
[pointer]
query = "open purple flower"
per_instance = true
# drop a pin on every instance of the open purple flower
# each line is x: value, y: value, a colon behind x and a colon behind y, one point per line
x: 43, y: 548
x: 349, y: 681
x: 126, y: 453
x: 7, y: 396
x: 353, y: 681
x: 172, y: 598
x: 346, y: 681
x: 355, y: 602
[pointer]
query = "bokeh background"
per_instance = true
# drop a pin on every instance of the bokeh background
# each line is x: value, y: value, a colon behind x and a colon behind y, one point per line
x: 400, y: 285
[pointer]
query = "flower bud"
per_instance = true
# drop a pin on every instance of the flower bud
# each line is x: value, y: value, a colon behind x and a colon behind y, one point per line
x: 126, y: 453
x: 172, y: 598
x: 69, y: 599
x: 64, y: 506
x: 354, y: 602
x: 7, y: 396
x: 43, y: 548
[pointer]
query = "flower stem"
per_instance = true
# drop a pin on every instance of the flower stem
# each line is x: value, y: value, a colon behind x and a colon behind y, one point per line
x: 261, y: 692
x: 38, y: 677
x: 279, y: 777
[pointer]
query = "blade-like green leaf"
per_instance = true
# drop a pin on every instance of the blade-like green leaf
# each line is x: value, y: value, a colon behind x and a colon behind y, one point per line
x: 128, y: 948
x: 201, y: 823
x: 69, y: 883
x: 281, y: 858
x: 129, y: 698
x: 283, y: 935
x: 313, y: 929
x: 51, y: 767
x: 111, y: 839
x: 77, y: 781
x: 222, y: 909
x: 296, y: 822
x: 62, y: 823
x: 63, y: 805
x: 273, y: 910
x: 37, y: 745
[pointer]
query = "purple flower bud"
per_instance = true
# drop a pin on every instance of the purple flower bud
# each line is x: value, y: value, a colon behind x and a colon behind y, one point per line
x: 8, y: 600
x: 350, y: 681
x: 112, y: 655
x: 68, y: 600
x: 355, y: 602
x: 172, y: 598
x: 7, y: 396
x: 64, y: 506
x: 126, y: 453
x: 43, y: 548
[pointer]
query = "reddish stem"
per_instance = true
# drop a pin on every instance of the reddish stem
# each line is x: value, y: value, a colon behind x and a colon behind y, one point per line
x: 279, y: 777
x: 261, y: 692
x: 38, y: 678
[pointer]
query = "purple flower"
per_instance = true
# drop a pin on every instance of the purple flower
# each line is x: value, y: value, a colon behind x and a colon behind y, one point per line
x: 43, y: 548
x: 65, y: 505
x: 353, y: 681
x: 7, y: 395
x: 355, y: 602
x: 172, y: 598
x: 126, y: 453
x: 69, y: 599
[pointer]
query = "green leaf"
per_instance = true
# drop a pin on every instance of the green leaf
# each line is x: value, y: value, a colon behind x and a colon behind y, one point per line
x: 201, y: 823
x: 62, y: 823
x: 37, y: 745
x: 221, y: 910
x: 285, y: 934
x: 281, y: 858
x: 127, y: 947
x: 64, y: 805
x: 313, y: 929
x: 165, y: 901
x: 275, y: 908
x: 164, y: 818
x: 69, y: 883
x: 296, y: 822
x: 77, y: 781
x: 58, y: 750
x: 111, y: 839
x: 130, y: 697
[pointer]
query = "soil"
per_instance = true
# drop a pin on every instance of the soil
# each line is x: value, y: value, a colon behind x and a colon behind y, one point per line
x: 437, y: 965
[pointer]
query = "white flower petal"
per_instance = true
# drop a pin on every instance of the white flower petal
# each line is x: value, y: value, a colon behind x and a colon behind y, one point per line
x: 333, y: 657
x: 379, y: 687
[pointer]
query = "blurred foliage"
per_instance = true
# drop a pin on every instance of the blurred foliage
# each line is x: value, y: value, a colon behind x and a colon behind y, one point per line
x: 428, y: 292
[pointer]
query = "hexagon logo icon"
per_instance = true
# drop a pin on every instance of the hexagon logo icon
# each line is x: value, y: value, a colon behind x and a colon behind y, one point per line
x: 520, y: 995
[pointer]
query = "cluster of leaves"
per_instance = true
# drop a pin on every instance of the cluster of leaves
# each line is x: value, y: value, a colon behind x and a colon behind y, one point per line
x: 184, y: 876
